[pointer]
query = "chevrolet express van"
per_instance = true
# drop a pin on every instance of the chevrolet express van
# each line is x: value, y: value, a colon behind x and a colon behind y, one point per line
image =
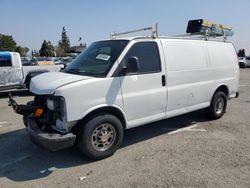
x: 118, y: 84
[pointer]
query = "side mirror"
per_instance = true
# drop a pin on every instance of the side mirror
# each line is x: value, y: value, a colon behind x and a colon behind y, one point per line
x: 132, y: 65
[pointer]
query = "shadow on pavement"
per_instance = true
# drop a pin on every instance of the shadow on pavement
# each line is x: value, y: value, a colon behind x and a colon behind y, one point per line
x: 21, y: 160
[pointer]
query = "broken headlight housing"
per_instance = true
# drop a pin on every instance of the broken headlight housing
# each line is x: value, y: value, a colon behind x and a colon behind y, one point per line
x: 55, y: 103
x: 51, y: 104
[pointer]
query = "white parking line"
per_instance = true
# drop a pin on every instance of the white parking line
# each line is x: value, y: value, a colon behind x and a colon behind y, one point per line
x: 1, y: 123
x: 51, y: 169
x: 190, y: 128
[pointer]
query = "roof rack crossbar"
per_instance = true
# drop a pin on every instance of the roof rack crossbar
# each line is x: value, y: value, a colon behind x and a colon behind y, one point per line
x: 154, y: 30
x: 200, y: 28
x: 207, y: 35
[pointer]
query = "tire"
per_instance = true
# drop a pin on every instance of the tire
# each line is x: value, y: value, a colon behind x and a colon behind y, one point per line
x: 27, y: 82
x: 218, y: 105
x: 100, y: 137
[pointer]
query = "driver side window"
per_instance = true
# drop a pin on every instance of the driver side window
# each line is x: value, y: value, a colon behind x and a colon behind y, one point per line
x: 148, y: 57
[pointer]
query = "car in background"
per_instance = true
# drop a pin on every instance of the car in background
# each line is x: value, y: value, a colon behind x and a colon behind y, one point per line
x: 242, y: 62
x: 65, y: 61
x: 56, y: 60
x: 31, y: 62
x: 13, y: 73
x: 247, y: 60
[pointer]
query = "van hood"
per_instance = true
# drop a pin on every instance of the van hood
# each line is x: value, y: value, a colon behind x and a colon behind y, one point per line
x: 47, y: 83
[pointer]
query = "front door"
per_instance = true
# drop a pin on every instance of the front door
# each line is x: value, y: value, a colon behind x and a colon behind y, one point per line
x: 144, y: 92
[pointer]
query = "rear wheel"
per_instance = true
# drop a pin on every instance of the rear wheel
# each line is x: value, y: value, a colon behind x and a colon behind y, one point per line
x: 101, y: 136
x: 218, y: 105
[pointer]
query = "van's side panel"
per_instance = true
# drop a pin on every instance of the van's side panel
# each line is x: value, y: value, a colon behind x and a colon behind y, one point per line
x: 189, y: 84
x: 195, y: 69
x: 223, y: 66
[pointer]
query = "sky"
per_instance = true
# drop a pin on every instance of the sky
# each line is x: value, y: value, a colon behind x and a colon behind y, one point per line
x: 32, y: 21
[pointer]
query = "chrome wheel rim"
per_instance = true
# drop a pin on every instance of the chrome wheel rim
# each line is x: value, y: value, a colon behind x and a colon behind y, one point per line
x: 219, y: 105
x: 103, y: 137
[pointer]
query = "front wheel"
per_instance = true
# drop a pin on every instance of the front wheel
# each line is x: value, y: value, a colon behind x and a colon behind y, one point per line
x: 218, y: 105
x: 101, y: 136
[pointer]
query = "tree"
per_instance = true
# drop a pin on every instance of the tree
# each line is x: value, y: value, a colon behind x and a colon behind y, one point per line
x: 51, y: 49
x: 22, y: 50
x: 34, y: 53
x: 241, y: 53
x: 7, y: 43
x: 47, y: 49
x: 63, y: 44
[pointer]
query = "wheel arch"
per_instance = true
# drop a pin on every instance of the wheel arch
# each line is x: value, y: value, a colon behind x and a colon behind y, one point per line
x: 222, y: 87
x: 114, y: 110
x: 32, y: 74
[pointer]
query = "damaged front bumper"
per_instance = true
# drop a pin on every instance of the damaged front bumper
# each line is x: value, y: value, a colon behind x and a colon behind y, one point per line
x: 50, y: 141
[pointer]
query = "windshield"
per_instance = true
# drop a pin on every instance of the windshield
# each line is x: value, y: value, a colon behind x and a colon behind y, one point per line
x: 97, y: 59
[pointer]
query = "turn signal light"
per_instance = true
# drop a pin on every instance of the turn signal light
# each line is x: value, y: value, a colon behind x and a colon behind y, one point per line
x: 38, y: 112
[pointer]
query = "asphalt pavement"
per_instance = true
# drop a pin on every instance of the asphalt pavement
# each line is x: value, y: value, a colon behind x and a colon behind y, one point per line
x: 185, y: 151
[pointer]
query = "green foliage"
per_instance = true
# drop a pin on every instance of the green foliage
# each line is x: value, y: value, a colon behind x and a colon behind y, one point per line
x: 63, y: 44
x: 47, y: 49
x: 34, y: 53
x: 7, y: 43
x: 22, y: 50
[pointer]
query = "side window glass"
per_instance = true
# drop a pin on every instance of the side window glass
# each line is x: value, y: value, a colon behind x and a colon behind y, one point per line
x: 5, y: 61
x: 148, y: 56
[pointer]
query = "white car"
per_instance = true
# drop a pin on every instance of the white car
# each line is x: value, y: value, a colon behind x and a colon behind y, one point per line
x: 242, y: 62
x: 118, y: 84
x: 247, y: 60
x: 14, y: 75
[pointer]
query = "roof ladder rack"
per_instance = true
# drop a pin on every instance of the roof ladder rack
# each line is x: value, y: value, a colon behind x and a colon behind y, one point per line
x: 208, y: 29
x: 154, y: 31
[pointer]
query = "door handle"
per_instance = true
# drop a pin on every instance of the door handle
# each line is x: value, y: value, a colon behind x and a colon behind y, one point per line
x: 163, y: 80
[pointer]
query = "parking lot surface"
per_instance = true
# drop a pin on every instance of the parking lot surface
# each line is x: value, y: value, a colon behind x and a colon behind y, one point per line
x: 189, y: 150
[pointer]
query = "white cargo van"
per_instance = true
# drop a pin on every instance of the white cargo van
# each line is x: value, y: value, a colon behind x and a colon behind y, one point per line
x: 122, y: 83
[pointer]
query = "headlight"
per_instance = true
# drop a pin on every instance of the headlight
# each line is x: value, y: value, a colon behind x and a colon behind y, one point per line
x: 50, y: 104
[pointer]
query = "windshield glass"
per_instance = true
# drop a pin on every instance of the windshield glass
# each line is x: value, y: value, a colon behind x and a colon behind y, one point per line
x: 97, y: 59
